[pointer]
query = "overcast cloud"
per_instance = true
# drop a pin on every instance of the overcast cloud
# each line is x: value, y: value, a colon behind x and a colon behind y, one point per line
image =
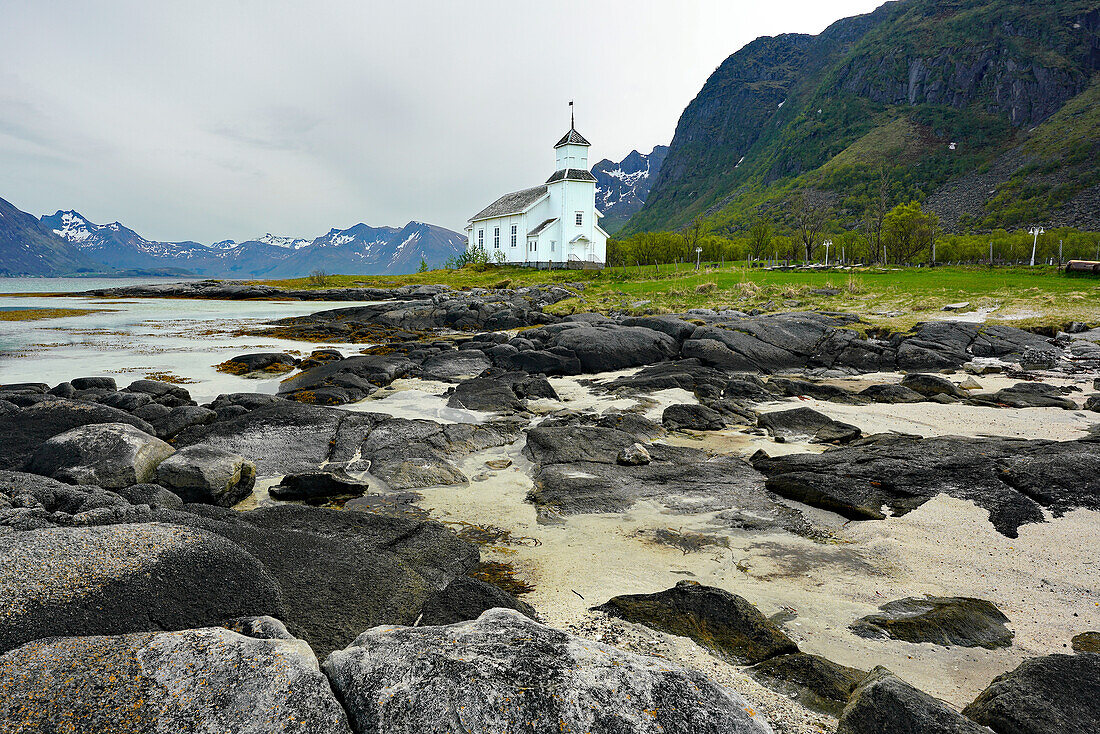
x: 206, y: 120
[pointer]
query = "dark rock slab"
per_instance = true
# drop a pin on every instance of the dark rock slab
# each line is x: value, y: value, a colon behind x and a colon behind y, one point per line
x: 885, y: 703
x: 807, y: 422
x: 556, y: 444
x: 524, y: 672
x: 318, y: 486
x: 1014, y: 479
x: 455, y: 364
x: 346, y: 380
x: 812, y: 680
x: 821, y: 391
x: 1029, y: 395
x: 486, y: 394
x: 115, y: 579
x: 1056, y: 694
x: 718, y: 620
x: 607, y: 348
x: 273, y: 363
x: 891, y: 394
x: 208, y: 679
x: 948, y: 621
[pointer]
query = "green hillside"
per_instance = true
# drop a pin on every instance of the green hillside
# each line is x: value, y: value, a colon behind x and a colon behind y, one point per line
x: 983, y: 110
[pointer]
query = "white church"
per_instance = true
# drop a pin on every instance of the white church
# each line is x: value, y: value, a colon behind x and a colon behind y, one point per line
x: 552, y: 225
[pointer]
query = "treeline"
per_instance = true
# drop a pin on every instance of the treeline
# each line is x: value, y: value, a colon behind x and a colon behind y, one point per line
x: 903, y: 235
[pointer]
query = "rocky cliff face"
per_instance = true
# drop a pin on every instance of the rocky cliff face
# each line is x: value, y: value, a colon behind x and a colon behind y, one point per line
x: 622, y: 188
x: 978, y: 73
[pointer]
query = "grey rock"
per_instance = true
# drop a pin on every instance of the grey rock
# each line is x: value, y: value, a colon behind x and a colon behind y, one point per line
x: 885, y: 703
x: 602, y: 349
x: 485, y: 394
x: 722, y: 622
x: 1055, y: 694
x: 456, y: 364
x: 208, y: 475
x: 948, y: 621
x: 317, y: 486
x: 633, y: 455
x: 93, y: 383
x: 525, y: 672
x: 468, y: 598
x: 261, y: 628
x: 1086, y: 642
x: 931, y: 385
x: 807, y: 422
x: 125, y: 578
x: 891, y: 394
x: 209, y: 679
x: 181, y: 418
x: 692, y: 417
x: 107, y: 454
x: 23, y: 431
x: 128, y: 401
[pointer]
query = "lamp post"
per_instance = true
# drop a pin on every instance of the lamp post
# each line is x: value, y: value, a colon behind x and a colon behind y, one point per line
x: 1035, y: 243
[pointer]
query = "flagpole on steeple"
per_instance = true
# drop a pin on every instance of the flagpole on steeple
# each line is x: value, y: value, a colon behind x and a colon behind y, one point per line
x: 572, y: 122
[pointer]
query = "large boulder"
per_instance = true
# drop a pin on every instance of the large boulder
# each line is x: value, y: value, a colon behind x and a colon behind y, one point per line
x: 208, y: 475
x: 1056, y: 694
x: 885, y: 703
x: 342, y: 572
x: 505, y: 671
x: 807, y: 423
x: 485, y: 394
x: 454, y: 364
x: 606, y: 348
x: 271, y: 363
x: 318, y: 486
x: 107, y: 454
x: 24, y: 430
x: 932, y: 385
x: 206, y: 680
x: 1029, y: 395
x: 114, y: 579
x: 947, y: 621
x: 692, y: 417
x: 716, y: 619
x: 468, y: 598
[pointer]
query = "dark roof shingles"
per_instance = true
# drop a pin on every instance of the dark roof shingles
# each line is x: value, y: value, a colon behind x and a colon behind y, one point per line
x: 573, y: 174
x: 572, y: 138
x: 512, y: 203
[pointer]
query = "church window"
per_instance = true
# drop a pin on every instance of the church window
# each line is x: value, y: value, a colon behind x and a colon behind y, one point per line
x: 481, y: 239
x: 552, y: 242
x: 580, y: 218
x: 496, y: 237
x: 513, y: 235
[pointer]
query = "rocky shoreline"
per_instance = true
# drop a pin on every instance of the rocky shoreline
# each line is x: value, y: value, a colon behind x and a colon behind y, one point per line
x: 277, y: 562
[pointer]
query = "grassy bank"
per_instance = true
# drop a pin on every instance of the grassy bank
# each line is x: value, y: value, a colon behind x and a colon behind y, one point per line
x: 37, y: 314
x: 1021, y: 296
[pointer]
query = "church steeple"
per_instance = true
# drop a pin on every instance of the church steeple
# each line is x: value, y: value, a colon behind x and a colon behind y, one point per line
x: 572, y: 149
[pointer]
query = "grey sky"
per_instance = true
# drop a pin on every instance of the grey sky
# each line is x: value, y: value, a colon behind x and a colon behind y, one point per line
x: 205, y: 120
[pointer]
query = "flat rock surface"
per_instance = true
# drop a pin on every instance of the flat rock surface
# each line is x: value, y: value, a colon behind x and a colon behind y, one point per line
x: 486, y: 675
x: 196, y: 680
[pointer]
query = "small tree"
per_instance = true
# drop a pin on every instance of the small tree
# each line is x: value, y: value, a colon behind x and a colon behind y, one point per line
x: 811, y: 211
x: 423, y: 266
x: 908, y: 231
x: 319, y: 278
x: 760, y: 237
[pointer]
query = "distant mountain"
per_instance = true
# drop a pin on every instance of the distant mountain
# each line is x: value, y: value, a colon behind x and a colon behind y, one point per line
x: 988, y: 111
x: 27, y: 247
x: 621, y: 188
x: 67, y: 242
x: 364, y: 249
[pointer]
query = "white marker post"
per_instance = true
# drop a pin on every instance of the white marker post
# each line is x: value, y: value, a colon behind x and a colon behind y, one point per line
x: 698, y: 252
x: 828, y: 244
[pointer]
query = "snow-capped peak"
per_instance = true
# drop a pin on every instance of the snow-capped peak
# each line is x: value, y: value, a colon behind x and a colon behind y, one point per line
x: 292, y: 243
x: 74, y: 228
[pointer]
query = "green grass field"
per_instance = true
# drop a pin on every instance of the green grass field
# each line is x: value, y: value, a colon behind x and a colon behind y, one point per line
x: 898, y: 298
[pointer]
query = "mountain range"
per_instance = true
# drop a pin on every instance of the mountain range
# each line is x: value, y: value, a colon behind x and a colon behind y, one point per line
x: 986, y: 111
x: 66, y: 243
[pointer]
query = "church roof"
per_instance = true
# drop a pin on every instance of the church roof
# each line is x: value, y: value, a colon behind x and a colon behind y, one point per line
x: 572, y: 138
x: 512, y: 203
x: 573, y: 174
x: 542, y: 226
